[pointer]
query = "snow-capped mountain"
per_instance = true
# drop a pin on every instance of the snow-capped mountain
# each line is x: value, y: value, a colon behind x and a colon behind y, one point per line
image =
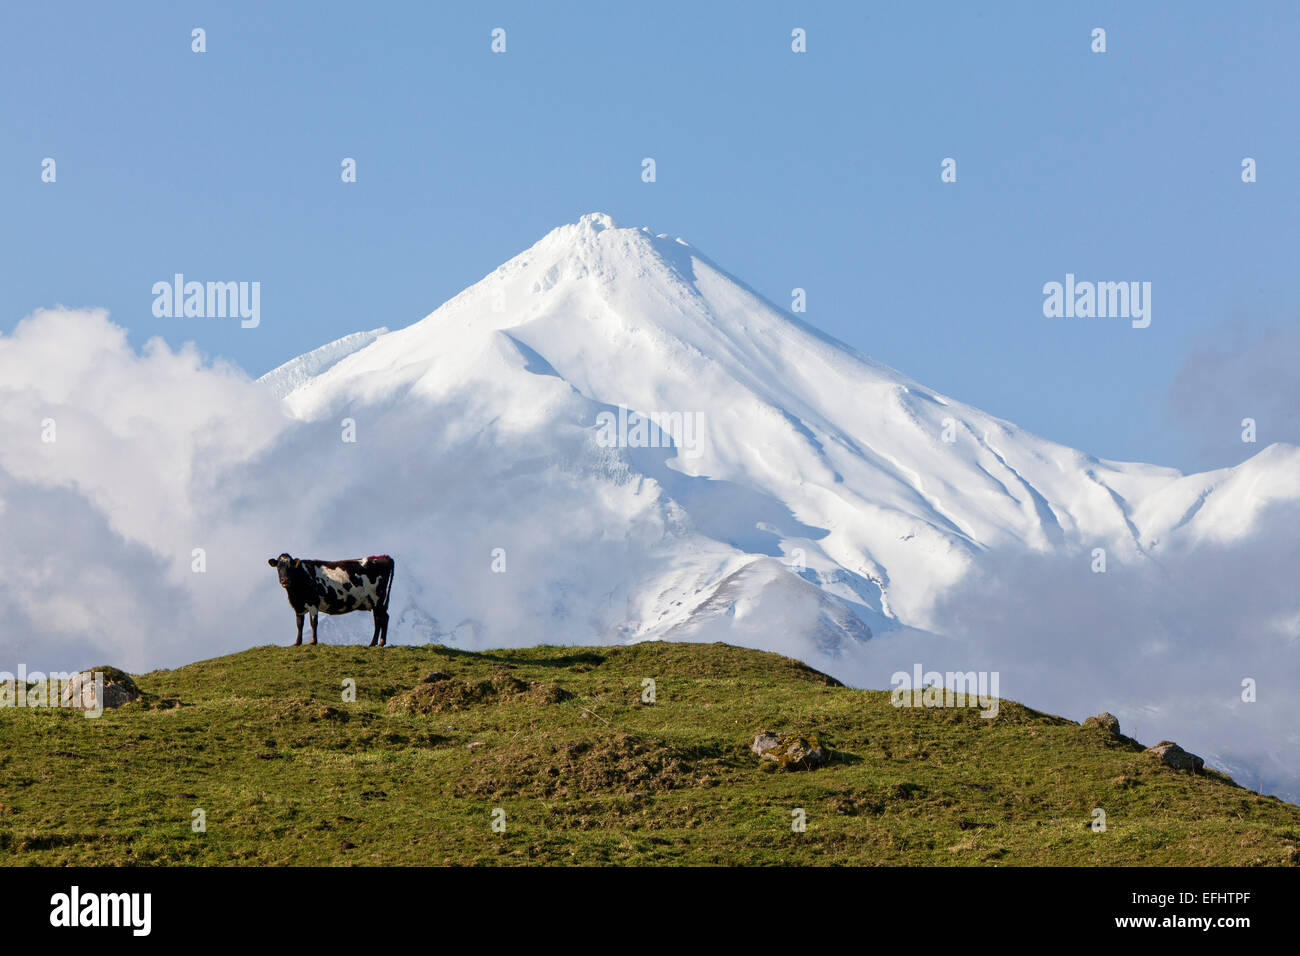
x: 784, y: 492
x: 878, y: 491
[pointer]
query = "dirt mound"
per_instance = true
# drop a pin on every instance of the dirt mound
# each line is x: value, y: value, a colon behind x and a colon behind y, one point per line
x: 308, y: 711
x: 440, y: 694
x: 873, y: 801
x: 621, y: 763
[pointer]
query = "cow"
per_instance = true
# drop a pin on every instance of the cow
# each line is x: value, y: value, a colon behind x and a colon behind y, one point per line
x: 337, y: 587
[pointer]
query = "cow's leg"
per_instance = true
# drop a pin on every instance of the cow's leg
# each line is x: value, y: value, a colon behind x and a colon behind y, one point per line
x: 299, y: 641
x: 375, y: 640
x: 314, y: 616
x: 381, y: 627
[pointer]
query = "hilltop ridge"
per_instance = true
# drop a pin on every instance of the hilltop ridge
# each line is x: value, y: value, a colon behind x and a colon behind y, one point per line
x: 587, y: 768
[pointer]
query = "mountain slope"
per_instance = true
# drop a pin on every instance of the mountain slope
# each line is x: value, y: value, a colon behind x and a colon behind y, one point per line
x: 283, y: 380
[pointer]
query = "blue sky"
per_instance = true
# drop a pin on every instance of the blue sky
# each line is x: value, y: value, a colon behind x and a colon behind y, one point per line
x: 816, y: 170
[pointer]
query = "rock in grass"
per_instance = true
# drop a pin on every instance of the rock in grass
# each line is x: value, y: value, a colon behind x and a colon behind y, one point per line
x: 1106, y: 721
x: 83, y: 692
x: 789, y: 751
x: 1172, y: 755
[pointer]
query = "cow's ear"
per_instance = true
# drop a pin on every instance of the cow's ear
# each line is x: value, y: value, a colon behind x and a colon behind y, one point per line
x: 296, y: 562
x: 271, y: 561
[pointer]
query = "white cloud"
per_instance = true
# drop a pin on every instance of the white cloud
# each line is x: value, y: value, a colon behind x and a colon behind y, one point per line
x: 157, y: 454
x: 1164, y: 645
x: 100, y: 523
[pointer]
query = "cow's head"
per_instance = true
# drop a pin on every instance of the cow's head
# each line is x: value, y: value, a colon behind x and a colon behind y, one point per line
x: 285, y: 565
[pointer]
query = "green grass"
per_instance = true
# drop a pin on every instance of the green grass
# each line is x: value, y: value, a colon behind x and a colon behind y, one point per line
x: 288, y: 773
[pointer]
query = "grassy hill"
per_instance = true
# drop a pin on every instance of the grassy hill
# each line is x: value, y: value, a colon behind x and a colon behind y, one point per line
x: 287, y: 772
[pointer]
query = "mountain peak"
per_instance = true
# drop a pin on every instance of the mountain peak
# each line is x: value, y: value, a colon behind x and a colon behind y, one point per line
x: 596, y: 221
x: 600, y: 232
x: 583, y: 234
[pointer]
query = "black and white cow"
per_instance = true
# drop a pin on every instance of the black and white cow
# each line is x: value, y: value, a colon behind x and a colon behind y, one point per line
x: 337, y: 587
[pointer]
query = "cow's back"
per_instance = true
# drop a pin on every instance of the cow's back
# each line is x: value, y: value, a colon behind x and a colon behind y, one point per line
x: 343, y: 586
